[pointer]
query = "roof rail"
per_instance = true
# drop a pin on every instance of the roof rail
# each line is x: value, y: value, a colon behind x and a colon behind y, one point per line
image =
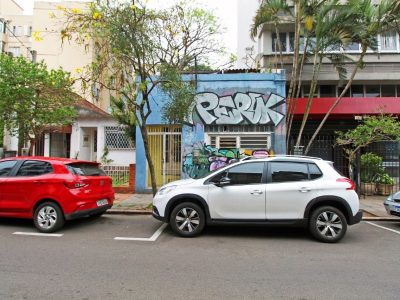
x: 281, y: 156
x: 297, y: 156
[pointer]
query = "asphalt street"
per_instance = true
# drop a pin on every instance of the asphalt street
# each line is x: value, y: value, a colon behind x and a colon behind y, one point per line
x: 86, y: 261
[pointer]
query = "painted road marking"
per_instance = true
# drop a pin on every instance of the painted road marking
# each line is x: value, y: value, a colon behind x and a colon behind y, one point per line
x: 389, y: 229
x: 153, y: 238
x: 39, y: 234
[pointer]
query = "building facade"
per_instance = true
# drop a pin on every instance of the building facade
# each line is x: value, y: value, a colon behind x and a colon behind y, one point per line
x: 38, y: 37
x: 375, y: 90
x: 232, y: 115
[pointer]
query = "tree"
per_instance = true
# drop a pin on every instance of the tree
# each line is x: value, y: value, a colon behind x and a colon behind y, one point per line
x: 374, y: 129
x: 323, y: 26
x: 32, y: 98
x: 138, y: 49
x: 368, y: 21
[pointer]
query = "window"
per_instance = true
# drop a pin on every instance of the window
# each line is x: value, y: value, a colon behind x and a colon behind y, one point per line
x: 353, y: 47
x: 117, y: 138
x: 3, y: 26
x: 288, y: 171
x: 327, y: 91
x: 18, y: 30
x: 85, y: 169
x: 291, y: 41
x: 314, y: 171
x: 340, y: 90
x: 6, y: 167
x: 242, y: 141
x: 247, y: 173
x: 275, y: 45
x: 388, y: 91
x: 15, y: 51
x: 34, y: 168
x: 357, y: 91
x: 372, y: 91
x: 306, y: 90
x: 388, y: 41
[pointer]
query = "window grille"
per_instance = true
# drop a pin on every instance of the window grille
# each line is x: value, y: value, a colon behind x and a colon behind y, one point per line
x: 116, y: 138
x: 249, y: 141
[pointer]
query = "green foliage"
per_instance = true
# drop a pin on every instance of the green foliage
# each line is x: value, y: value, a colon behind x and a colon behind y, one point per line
x: 374, y: 129
x: 371, y: 167
x: 104, y: 158
x: 180, y: 92
x: 385, y: 179
x: 134, y: 44
x: 33, y: 98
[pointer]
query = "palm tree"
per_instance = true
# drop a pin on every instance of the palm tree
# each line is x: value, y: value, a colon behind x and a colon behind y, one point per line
x: 368, y: 21
x: 330, y: 34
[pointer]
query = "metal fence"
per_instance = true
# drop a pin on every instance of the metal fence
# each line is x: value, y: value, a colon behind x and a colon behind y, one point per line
x: 119, y: 174
x: 324, y: 147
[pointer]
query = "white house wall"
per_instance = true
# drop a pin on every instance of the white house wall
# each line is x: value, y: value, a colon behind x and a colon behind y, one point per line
x: 118, y: 157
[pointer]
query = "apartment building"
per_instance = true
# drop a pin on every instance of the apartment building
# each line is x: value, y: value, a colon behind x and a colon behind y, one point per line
x: 375, y: 90
x: 38, y: 37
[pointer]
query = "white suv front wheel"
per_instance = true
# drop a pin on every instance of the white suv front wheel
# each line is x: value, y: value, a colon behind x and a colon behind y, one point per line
x: 328, y: 224
x: 187, y: 219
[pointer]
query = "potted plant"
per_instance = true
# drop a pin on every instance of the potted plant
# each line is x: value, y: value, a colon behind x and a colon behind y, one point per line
x: 384, y: 184
x: 371, y: 167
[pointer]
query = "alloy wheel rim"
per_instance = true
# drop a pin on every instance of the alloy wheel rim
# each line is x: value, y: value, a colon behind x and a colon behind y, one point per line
x: 187, y: 219
x: 329, y: 224
x: 47, y: 217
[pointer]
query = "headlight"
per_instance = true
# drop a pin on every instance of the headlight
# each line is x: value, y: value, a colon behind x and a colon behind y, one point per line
x: 390, y: 198
x: 166, y: 190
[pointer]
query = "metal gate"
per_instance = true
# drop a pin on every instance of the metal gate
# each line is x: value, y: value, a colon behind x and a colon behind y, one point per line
x: 165, y: 150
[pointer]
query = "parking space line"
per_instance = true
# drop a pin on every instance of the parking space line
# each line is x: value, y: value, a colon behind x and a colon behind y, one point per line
x: 153, y: 238
x: 39, y: 234
x: 389, y: 229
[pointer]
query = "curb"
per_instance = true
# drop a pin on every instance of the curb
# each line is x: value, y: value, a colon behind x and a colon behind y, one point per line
x: 128, y: 212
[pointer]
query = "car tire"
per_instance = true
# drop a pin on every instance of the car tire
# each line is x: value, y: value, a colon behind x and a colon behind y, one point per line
x: 48, y: 217
x: 187, y: 219
x: 327, y: 224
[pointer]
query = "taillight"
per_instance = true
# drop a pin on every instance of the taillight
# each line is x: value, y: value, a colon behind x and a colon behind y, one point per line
x: 75, y: 184
x: 349, y: 181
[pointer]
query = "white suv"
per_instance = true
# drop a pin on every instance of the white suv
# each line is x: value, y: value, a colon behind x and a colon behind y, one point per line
x: 277, y: 190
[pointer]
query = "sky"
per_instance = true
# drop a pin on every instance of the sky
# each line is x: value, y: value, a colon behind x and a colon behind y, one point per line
x: 225, y: 10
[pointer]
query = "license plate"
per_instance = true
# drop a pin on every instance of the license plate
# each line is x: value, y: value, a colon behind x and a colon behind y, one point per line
x: 102, y: 202
x: 397, y: 208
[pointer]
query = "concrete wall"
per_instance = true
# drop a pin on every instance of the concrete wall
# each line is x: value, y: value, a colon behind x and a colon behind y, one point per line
x: 269, y: 87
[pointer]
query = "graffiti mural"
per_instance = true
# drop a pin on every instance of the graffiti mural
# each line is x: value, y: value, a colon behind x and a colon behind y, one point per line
x: 240, y: 108
x: 203, y: 160
x: 261, y: 153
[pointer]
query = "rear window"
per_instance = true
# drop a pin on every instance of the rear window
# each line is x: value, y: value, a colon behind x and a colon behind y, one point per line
x: 85, y: 169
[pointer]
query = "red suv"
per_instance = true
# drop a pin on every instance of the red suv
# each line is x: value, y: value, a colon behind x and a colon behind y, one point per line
x: 52, y: 190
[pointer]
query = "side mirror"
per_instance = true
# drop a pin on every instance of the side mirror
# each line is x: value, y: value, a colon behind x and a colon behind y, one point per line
x: 223, y: 181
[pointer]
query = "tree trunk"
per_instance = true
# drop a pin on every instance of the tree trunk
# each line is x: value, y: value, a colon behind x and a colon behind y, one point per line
x: 32, y: 146
x: 293, y: 80
x: 317, y: 64
x: 296, y: 93
x: 143, y: 131
x: 353, y: 74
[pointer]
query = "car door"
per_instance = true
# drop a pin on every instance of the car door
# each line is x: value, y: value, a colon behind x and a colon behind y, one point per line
x: 243, y: 198
x: 24, y: 187
x: 6, y: 167
x: 290, y: 186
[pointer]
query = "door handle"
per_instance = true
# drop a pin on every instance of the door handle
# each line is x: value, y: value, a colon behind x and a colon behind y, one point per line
x: 256, y: 192
x: 304, y: 190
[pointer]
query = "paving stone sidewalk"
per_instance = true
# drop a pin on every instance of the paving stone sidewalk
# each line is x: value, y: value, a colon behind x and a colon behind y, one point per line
x: 141, y: 204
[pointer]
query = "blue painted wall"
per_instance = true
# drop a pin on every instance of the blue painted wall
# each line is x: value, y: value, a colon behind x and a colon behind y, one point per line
x: 221, y: 85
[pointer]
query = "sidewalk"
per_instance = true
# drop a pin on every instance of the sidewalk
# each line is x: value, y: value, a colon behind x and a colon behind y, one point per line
x: 141, y: 204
